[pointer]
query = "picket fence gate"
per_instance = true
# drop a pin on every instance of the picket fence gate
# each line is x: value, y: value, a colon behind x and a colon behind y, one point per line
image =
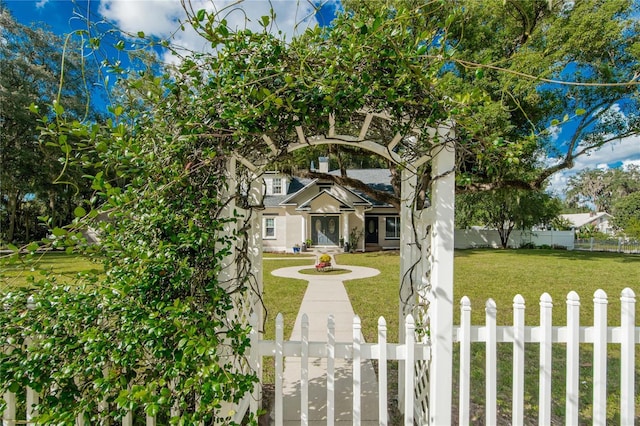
x: 412, y: 352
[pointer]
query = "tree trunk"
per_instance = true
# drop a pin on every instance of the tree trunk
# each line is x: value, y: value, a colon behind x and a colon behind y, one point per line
x: 504, y: 235
x: 12, y: 208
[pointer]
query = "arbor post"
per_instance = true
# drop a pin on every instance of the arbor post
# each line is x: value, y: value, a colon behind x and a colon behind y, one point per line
x: 409, y: 257
x: 441, y: 294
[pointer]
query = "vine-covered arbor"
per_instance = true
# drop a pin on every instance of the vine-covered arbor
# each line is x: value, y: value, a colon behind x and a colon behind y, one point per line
x: 427, y: 223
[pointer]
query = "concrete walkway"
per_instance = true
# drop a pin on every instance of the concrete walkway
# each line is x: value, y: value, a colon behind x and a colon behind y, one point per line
x: 326, y: 296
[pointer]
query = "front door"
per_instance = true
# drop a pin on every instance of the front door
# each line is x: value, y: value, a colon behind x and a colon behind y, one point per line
x: 324, y: 230
x: 371, y: 230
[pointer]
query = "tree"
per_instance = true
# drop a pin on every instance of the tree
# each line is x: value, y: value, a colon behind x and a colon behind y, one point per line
x: 603, y: 188
x: 29, y: 79
x: 626, y: 213
x: 162, y: 327
x: 592, y: 45
x: 515, y: 71
x: 506, y: 209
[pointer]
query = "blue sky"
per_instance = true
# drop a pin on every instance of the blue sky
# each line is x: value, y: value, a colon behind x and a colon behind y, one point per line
x: 161, y: 18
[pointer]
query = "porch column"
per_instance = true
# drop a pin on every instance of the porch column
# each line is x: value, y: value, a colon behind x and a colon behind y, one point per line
x: 441, y: 294
x: 345, y: 226
x: 303, y: 223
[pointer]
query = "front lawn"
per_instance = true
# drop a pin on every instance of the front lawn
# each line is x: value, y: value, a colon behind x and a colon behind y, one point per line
x: 17, y: 272
x: 501, y: 274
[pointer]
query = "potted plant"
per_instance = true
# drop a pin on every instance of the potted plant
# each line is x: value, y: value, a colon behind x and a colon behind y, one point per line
x: 324, y: 263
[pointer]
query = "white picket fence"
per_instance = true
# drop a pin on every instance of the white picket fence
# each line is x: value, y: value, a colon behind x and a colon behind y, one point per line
x: 356, y: 350
x: 572, y: 335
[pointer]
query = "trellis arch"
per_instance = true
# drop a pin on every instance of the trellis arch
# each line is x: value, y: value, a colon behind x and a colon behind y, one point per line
x: 426, y: 238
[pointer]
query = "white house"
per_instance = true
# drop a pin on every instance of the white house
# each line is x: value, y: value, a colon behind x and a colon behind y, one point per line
x: 297, y: 210
x: 600, y: 220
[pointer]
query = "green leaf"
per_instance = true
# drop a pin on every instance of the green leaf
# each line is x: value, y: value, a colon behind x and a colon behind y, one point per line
x: 201, y: 14
x: 581, y: 111
x: 79, y: 212
x: 264, y: 21
x: 152, y: 409
x: 555, y: 122
x: 120, y: 45
x: 479, y: 73
x: 117, y: 111
x: 34, y: 108
x: 57, y: 108
x: 141, y: 34
x: 59, y: 232
x: 12, y: 247
x: 566, y: 117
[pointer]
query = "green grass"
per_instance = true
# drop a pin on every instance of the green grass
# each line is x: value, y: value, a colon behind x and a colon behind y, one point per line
x: 501, y: 274
x: 282, y: 295
x: 16, y: 272
x: 479, y: 274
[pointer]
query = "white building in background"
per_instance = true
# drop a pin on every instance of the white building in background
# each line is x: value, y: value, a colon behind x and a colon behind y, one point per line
x: 600, y: 220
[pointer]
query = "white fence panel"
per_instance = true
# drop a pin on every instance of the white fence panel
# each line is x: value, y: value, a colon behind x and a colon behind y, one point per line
x: 572, y: 335
x: 356, y: 351
x: 627, y: 335
x: 478, y: 238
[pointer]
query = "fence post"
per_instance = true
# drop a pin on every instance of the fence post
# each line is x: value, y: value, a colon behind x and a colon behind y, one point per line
x: 600, y: 358
x: 490, y: 363
x: 331, y: 370
x: 546, y: 363
x: 32, y: 397
x: 573, y: 358
x: 627, y: 349
x: 9, y: 415
x: 357, y: 374
x: 518, y: 360
x: 409, y: 376
x: 465, y: 360
x: 382, y: 371
x: 255, y: 362
x: 278, y: 405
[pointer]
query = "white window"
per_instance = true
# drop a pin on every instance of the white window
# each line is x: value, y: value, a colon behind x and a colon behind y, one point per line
x: 269, y: 227
x: 392, y: 227
x: 277, y: 185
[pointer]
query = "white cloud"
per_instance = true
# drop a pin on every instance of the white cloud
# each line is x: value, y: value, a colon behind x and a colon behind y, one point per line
x: 615, y: 154
x: 41, y: 3
x: 162, y: 18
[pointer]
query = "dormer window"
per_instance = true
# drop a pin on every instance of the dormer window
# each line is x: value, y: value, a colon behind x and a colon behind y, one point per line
x: 275, y: 186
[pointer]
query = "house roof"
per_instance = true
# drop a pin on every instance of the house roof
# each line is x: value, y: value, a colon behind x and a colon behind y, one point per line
x: 295, y: 185
x: 344, y: 205
x: 378, y: 179
x: 580, y: 219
